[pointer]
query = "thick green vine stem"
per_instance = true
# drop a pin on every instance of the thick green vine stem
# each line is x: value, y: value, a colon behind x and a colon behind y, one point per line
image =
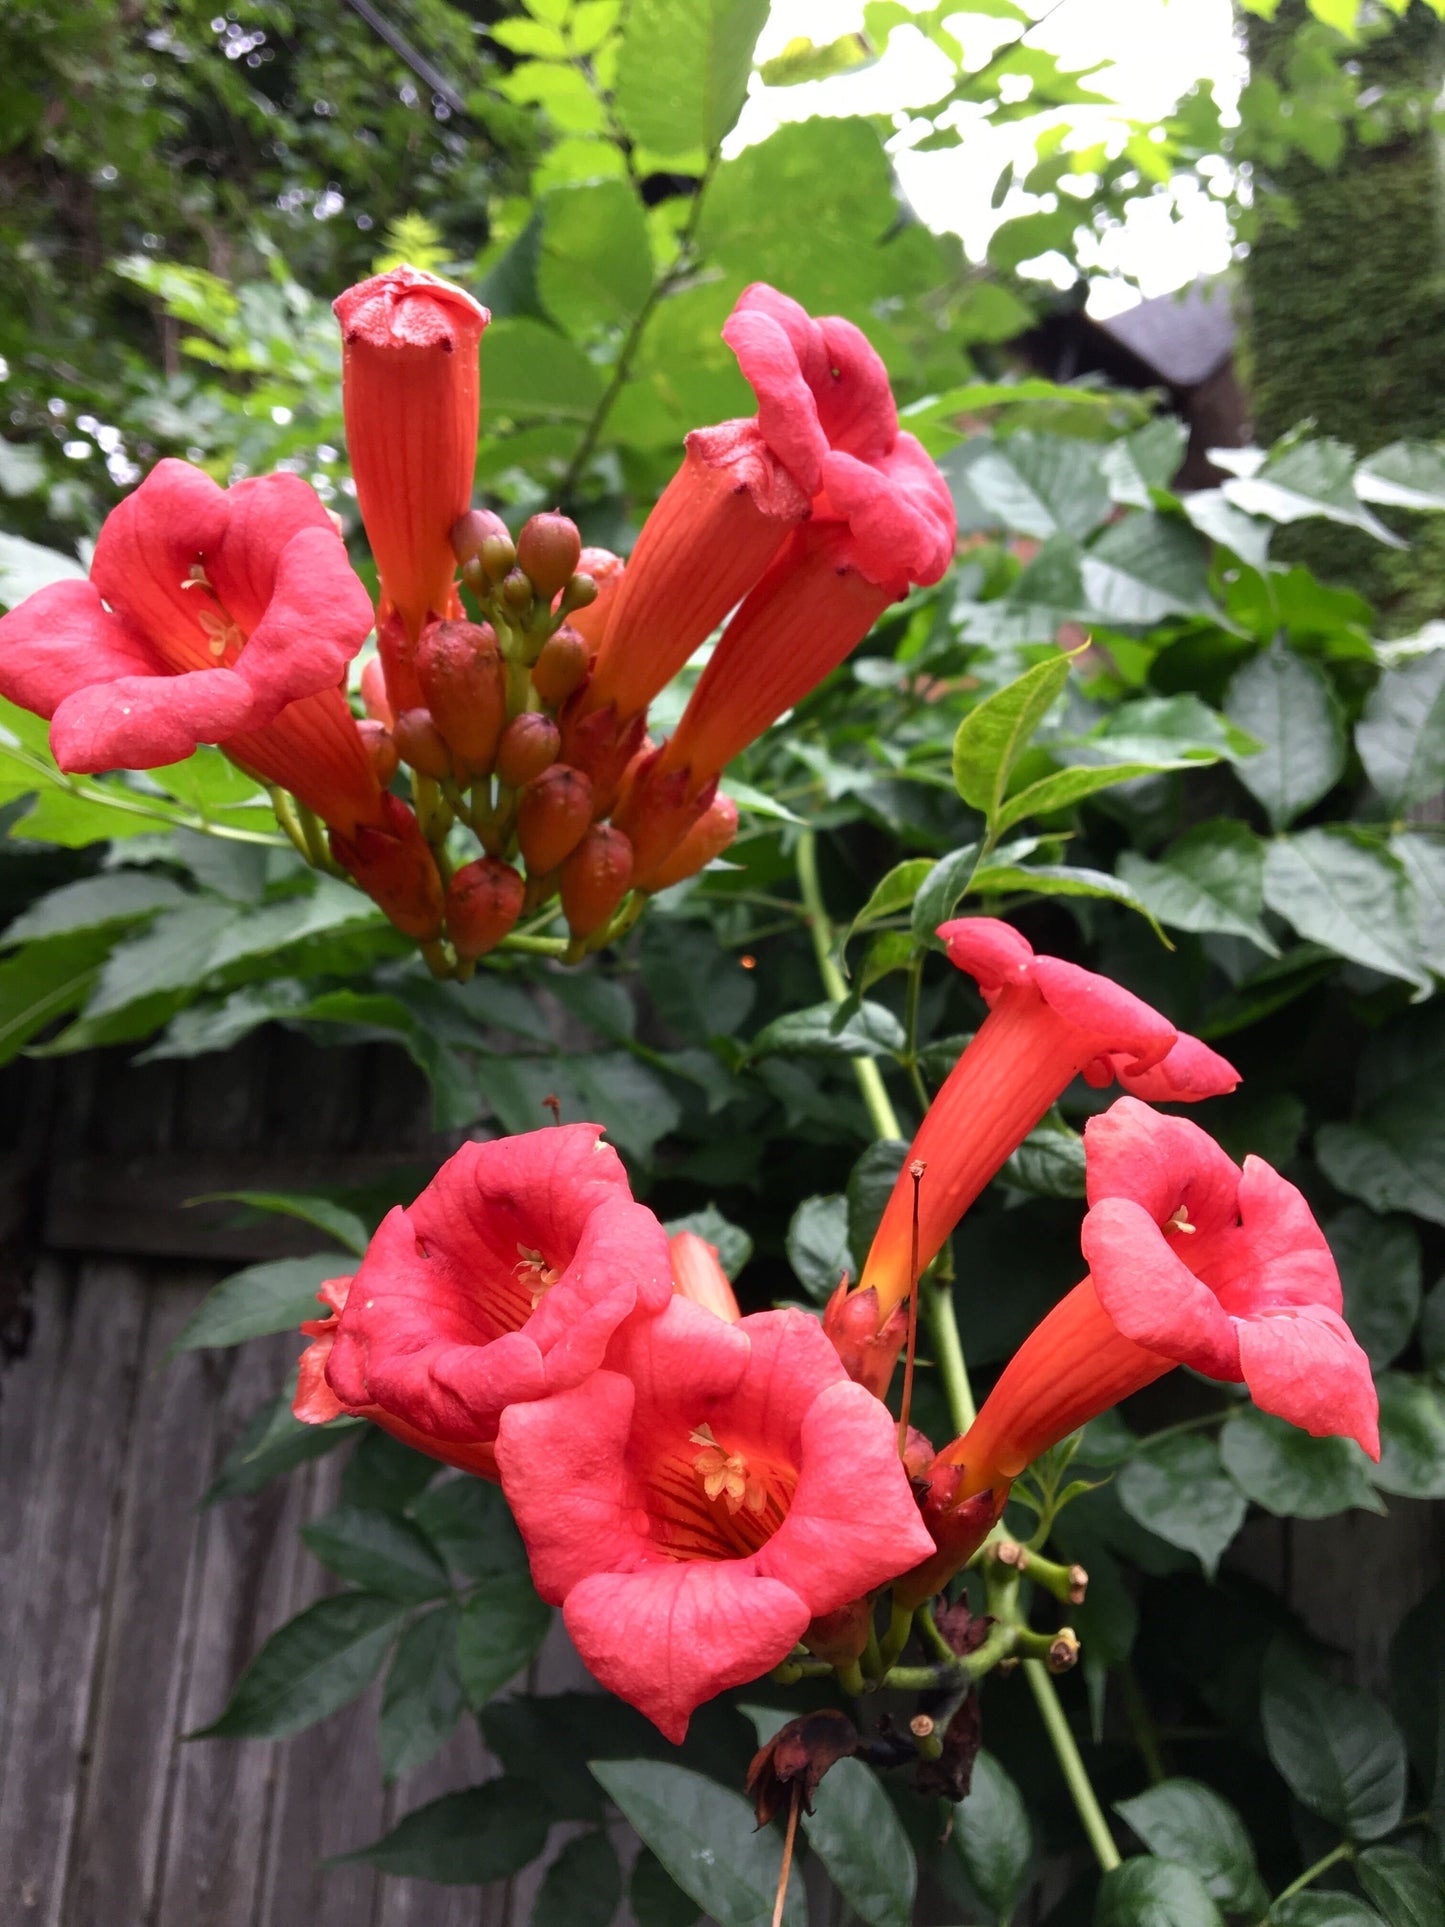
x: 948, y: 1345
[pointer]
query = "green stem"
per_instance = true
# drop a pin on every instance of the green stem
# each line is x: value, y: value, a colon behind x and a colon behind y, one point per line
x: 879, y: 1105
x: 1141, y: 1724
x: 1071, y: 1765
x: 942, y: 1315
x: 535, y: 946
x: 910, y: 1027
x: 1200, y: 1423
x: 1344, y: 1851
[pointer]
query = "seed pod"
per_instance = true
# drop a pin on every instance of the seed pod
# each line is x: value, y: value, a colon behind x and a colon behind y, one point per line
x: 713, y: 831
x: 420, y: 744
x: 595, y: 879
x: 548, y: 549
x: 484, y: 900
x: 465, y: 684
x: 374, y: 698
x: 474, y: 528
x: 529, y: 744
x: 553, y: 817
x: 381, y: 751
x: 560, y: 667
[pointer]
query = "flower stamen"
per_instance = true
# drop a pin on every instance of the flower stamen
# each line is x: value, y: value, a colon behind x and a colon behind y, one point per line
x: 534, y: 1271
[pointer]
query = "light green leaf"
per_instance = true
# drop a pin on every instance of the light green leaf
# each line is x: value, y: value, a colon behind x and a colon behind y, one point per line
x: 871, y: 1031
x: 1041, y: 485
x: 1307, y: 479
x: 1406, y: 475
x: 1179, y: 1490
x: 939, y: 891
x: 704, y: 1836
x: 1137, y: 464
x: 1214, y: 515
x: 595, y: 265
x: 1058, y: 880
x: 1291, y: 1474
x: 1145, y: 1892
x: 1423, y: 858
x: 992, y: 1835
x: 682, y: 71
x: 378, y: 1551
x: 26, y: 567
x: 44, y: 981
x: 1287, y: 704
x: 1209, y: 879
x: 94, y: 903
x: 859, y: 1838
x: 533, y: 371
x: 1349, y: 894
x: 1401, y: 736
x: 309, y: 1668
x: 894, y: 893
x: 1188, y: 1822
x: 272, y: 1297
x: 1069, y: 786
x: 1145, y: 569
x: 992, y: 737
x: 1337, y: 1747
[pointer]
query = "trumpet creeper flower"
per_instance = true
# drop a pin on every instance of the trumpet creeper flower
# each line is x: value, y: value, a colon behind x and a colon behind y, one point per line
x: 504, y: 1281
x: 1049, y: 1021
x: 698, y: 1502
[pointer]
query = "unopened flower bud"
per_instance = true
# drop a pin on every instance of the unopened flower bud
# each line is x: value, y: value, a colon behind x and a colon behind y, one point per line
x: 420, y: 744
x: 713, y: 831
x: 374, y: 698
x: 381, y: 751
x: 1078, y: 1585
x: 580, y: 593
x: 528, y: 746
x: 474, y: 528
x: 496, y: 558
x: 393, y: 863
x: 604, y: 569
x: 841, y: 1637
x: 464, y: 680
x: 600, y: 744
x: 595, y: 878
x: 484, y: 900
x: 696, y: 1274
x: 560, y: 667
x: 517, y: 591
x: 553, y: 816
x: 548, y: 549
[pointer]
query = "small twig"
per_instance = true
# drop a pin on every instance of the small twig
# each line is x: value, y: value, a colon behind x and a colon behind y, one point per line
x: 787, y: 1867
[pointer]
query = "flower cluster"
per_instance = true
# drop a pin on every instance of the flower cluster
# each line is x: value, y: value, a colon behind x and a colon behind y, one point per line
x: 230, y: 617
x: 706, y: 1494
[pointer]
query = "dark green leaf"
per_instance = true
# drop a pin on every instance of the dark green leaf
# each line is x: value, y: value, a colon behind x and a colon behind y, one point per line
x: 698, y: 987
x: 583, y: 1885
x: 343, y: 1225
x: 733, y: 1245
x: 466, y: 1839
x: 1057, y: 880
x: 655, y: 1897
x: 1412, y: 1437
x: 1380, y: 1270
x: 1393, y: 1158
x: 1291, y: 1474
x: 1185, y: 1821
x: 1406, y: 1891
x: 310, y: 1667
x: 704, y: 1836
x: 856, y: 1834
x: 264, y: 1298
x: 1323, y: 1910
x: 1209, y: 879
x: 1423, y: 858
x: 275, y: 1441
x: 1145, y: 1892
x: 992, y: 737
x: 383, y: 1475
x: 682, y: 72
x: 1348, y: 894
x: 1049, y: 1163
x: 1041, y: 485
x: 422, y: 1699
x: 870, y: 1184
x: 469, y: 1522
x: 502, y: 1625
x: 379, y: 1552
x: 1401, y: 736
x: 1179, y: 1490
x: 940, y: 890
x: 818, y: 1245
x: 1145, y: 569
x: 871, y: 1031
x: 45, y: 981
x: 1337, y: 1747
x: 93, y: 903
x: 992, y: 1834
x: 1287, y: 704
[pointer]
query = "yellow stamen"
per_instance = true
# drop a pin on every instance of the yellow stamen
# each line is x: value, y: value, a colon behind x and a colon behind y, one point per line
x: 725, y: 1475
x: 542, y: 1275
x: 1179, y: 1221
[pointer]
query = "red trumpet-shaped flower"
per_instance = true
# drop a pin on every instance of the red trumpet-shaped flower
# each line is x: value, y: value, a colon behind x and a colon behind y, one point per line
x: 208, y: 612
x: 1192, y: 1261
x: 1049, y: 1021
x: 411, y: 392
x: 698, y: 1502
x: 504, y: 1281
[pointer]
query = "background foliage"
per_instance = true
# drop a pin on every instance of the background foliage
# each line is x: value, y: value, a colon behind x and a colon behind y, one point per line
x: 1227, y: 796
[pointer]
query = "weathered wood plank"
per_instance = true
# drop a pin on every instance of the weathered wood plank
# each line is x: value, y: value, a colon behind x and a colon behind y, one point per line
x: 220, y: 1791
x: 135, y: 1727
x: 462, y: 1762
x: 66, y: 1563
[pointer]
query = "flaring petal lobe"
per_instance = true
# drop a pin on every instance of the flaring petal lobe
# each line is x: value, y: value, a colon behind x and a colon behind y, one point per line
x: 1305, y: 1366
x: 1151, y: 1295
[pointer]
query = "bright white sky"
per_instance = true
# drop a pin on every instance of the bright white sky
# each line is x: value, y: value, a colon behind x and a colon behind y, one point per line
x: 1156, y: 49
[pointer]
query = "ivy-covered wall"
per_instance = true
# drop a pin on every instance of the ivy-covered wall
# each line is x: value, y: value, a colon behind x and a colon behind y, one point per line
x: 1346, y: 286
